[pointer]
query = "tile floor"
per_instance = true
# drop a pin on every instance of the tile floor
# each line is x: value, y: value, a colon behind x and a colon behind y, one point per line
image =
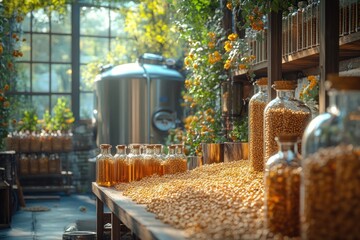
x: 64, y: 212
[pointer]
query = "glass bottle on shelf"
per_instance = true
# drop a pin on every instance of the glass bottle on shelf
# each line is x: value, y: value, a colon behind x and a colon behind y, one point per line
x: 148, y: 158
x: 284, y: 115
x: 282, y: 188
x: 181, y: 158
x: 169, y: 159
x: 134, y: 159
x: 120, y: 165
x: 174, y: 160
x: 331, y: 165
x: 257, y: 105
x: 105, y: 166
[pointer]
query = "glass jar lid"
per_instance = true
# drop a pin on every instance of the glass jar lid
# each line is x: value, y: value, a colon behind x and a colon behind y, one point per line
x: 284, y: 85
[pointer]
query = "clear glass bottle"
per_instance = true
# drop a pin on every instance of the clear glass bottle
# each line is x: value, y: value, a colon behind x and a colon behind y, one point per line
x: 284, y: 115
x: 160, y: 157
x: 135, y: 162
x: 105, y: 166
x: 181, y: 158
x: 121, y: 166
x: 257, y: 105
x: 169, y: 158
x: 331, y: 165
x: 282, y: 188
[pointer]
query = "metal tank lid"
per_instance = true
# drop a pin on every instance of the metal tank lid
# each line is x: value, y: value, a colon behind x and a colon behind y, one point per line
x: 136, y: 70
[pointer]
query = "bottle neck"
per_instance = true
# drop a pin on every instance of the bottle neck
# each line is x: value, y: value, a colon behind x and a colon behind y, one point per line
x: 171, y: 151
x: 285, y: 94
x: 344, y: 102
x: 120, y: 151
x: 135, y: 151
x: 262, y: 89
x: 105, y: 151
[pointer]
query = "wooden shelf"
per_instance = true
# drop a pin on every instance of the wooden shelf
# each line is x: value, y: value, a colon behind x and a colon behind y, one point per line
x: 349, y: 47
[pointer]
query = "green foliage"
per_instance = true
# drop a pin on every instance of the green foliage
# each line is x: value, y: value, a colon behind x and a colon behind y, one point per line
x: 29, y: 121
x: 240, y: 131
x: 47, y: 123
x: 62, y: 116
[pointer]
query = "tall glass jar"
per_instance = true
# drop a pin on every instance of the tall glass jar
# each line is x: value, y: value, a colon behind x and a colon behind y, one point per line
x: 284, y: 115
x: 134, y: 159
x: 331, y: 166
x: 174, y: 162
x: 150, y: 163
x: 120, y: 165
x: 105, y: 166
x: 181, y: 158
x: 282, y: 188
x: 257, y: 105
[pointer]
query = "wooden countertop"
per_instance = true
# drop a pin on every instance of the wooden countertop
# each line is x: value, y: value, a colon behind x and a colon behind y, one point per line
x: 141, y: 222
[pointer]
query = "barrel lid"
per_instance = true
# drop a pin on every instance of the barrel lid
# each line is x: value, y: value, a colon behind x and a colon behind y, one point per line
x: 343, y: 82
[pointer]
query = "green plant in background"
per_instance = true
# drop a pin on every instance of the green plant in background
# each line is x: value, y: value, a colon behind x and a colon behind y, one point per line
x: 46, y: 121
x: 29, y: 121
x: 62, y: 118
x: 240, y: 131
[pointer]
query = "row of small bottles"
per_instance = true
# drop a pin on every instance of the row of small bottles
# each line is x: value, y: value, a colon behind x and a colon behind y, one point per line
x: 39, y: 163
x: 326, y: 171
x: 142, y: 161
x: 301, y: 25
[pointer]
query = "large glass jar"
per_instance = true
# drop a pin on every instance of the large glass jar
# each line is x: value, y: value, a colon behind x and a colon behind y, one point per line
x: 160, y: 157
x: 120, y: 165
x: 282, y: 188
x: 257, y: 105
x: 174, y: 160
x: 331, y: 166
x: 284, y: 115
x: 105, y: 166
x: 134, y: 159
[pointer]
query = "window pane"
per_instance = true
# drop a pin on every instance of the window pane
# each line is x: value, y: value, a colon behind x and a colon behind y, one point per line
x: 26, y: 23
x: 40, y: 47
x: 26, y: 47
x: 40, y: 22
x: 23, y: 77
x: 54, y: 99
x: 19, y: 104
x: 117, y: 24
x: 61, y: 23
x: 86, y: 105
x: 60, y: 48
x: 92, y: 49
x: 41, y: 104
x: 88, y: 85
x: 94, y: 21
x: 61, y: 78
x: 40, y: 78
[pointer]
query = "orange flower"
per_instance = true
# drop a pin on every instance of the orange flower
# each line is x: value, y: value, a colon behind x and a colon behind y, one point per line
x: 6, y: 87
x: 211, y: 45
x: 233, y: 37
x: 228, y: 46
x: 227, y: 64
x: 242, y: 66
x: 2, y: 98
x: 229, y: 5
x: 14, y: 35
x: 1, y: 49
x: 195, y: 66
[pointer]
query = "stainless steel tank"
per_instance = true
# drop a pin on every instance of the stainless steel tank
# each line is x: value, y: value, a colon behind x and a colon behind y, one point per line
x: 137, y: 102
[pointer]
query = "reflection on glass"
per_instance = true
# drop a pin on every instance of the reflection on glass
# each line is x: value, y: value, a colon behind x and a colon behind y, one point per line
x: 54, y: 99
x: 40, y: 21
x: 61, y: 23
x: 23, y: 77
x: 41, y: 103
x: 86, y: 105
x: 26, y: 47
x: 92, y: 49
x: 60, y: 48
x: 94, y: 21
x: 61, y: 78
x: 19, y: 104
x: 40, y: 47
x: 40, y: 78
x: 26, y: 23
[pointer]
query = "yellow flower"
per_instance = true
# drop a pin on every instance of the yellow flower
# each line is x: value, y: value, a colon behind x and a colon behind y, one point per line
x: 242, y: 66
x: 211, y: 45
x: 195, y: 65
x: 228, y: 46
x: 212, y: 35
x: 229, y: 5
x: 227, y: 64
x: 187, y: 61
x: 233, y: 37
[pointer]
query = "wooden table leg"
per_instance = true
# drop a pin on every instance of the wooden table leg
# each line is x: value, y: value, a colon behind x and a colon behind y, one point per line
x: 115, y: 227
x: 99, y: 219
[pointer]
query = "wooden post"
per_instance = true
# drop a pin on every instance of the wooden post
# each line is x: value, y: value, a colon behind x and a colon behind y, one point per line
x: 99, y: 218
x: 274, y: 51
x: 329, y: 46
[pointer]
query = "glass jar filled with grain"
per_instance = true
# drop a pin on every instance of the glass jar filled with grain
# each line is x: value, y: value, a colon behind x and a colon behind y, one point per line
x: 257, y: 105
x: 105, y: 166
x: 181, y: 157
x: 135, y: 162
x: 122, y: 168
x: 331, y: 166
x: 284, y: 115
x: 282, y: 188
x: 174, y: 162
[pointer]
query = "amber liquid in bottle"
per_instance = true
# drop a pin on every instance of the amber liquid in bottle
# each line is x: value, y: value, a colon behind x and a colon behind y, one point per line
x: 105, y: 167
